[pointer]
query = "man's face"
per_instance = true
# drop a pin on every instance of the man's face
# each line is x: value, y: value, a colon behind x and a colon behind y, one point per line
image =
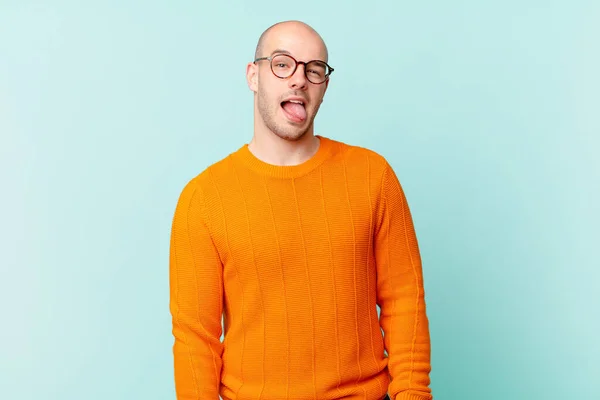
x: 278, y: 99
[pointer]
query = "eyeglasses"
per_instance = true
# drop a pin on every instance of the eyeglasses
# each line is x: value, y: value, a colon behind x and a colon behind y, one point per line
x: 283, y: 66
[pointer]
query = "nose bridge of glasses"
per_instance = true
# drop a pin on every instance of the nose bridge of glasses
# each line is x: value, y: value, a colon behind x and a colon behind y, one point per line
x: 304, y: 67
x: 302, y: 74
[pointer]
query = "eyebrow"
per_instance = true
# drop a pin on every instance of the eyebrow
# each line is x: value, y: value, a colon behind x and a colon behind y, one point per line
x: 280, y: 51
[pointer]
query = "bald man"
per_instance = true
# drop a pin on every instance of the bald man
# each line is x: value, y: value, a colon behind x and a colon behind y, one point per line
x: 287, y: 247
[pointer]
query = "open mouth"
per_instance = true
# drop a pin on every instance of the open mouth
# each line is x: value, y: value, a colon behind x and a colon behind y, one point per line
x: 294, y: 110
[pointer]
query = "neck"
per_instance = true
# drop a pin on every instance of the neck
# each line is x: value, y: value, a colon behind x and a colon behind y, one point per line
x: 272, y: 149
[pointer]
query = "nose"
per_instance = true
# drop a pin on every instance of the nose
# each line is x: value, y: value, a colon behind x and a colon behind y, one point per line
x: 298, y: 79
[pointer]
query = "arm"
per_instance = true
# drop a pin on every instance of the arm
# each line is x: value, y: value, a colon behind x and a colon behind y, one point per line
x: 195, y: 275
x: 401, y: 296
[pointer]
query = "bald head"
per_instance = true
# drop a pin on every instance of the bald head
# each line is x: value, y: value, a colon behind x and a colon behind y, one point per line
x: 289, y: 27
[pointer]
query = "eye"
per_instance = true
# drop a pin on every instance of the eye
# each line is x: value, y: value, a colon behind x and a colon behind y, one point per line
x: 316, y: 69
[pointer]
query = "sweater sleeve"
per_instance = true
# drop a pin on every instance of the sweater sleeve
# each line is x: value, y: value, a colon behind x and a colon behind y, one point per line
x: 400, y: 295
x: 195, y: 274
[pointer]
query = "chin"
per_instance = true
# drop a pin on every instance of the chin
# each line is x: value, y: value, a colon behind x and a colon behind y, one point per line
x: 291, y: 135
x: 291, y: 132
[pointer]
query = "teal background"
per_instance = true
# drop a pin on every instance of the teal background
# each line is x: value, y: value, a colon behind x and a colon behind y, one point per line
x: 487, y: 110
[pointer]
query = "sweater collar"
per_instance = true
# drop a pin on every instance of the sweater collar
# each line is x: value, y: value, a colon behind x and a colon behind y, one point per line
x: 246, y: 157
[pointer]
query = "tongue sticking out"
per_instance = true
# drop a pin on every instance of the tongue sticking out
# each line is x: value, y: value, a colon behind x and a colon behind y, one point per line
x: 295, y: 110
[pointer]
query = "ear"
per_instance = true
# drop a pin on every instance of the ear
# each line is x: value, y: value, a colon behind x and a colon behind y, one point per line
x: 252, y: 76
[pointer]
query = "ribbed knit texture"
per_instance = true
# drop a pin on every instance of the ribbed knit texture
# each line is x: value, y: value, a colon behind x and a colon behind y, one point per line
x: 297, y: 258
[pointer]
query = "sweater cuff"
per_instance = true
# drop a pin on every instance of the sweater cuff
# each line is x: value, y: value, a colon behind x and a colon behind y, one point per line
x: 413, y: 396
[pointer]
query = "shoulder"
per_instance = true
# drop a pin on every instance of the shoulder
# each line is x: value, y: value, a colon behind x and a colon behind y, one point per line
x: 368, y: 164
x: 356, y: 154
x: 204, y: 180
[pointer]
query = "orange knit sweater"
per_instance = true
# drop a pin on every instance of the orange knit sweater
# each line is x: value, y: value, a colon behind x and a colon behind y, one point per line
x: 296, y: 259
